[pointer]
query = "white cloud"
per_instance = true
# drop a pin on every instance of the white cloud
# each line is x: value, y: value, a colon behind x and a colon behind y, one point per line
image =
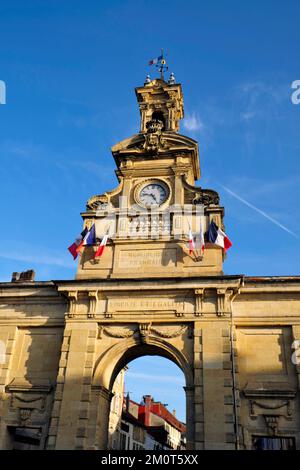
x: 248, y: 116
x: 40, y: 257
x: 158, y: 378
x: 193, y: 122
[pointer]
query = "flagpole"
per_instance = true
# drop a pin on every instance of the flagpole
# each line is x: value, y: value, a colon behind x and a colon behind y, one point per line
x: 162, y: 67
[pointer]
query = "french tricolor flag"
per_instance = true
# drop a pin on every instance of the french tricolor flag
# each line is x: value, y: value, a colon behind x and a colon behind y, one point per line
x: 89, y: 239
x: 191, y: 242
x: 218, y: 237
x: 101, y: 246
x: 73, y: 249
x: 156, y: 60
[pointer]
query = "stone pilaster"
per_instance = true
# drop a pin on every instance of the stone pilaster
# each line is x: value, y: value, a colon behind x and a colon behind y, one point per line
x: 198, y: 388
x: 97, y: 431
x: 199, y: 294
x: 8, y: 336
x: 70, y: 432
x: 217, y: 398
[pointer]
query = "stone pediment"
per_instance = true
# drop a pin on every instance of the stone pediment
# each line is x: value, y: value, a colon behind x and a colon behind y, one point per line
x: 170, y: 141
x: 155, y: 145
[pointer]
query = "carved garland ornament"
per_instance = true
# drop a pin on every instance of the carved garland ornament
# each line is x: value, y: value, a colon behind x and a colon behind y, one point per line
x: 119, y: 332
x: 270, y: 406
x: 169, y: 332
x: 143, y: 329
x: 42, y: 398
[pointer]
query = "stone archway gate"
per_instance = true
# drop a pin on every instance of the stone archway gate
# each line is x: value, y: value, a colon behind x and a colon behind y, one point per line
x: 111, y: 322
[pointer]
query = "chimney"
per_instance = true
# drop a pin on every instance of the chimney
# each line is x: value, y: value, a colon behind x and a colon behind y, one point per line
x: 147, y: 400
x: 127, y: 402
x: 23, y: 276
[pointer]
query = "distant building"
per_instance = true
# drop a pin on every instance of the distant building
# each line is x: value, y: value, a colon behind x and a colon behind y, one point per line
x: 146, y: 426
x: 116, y: 408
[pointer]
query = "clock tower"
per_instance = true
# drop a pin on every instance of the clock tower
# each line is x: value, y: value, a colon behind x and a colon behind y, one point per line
x: 149, y: 215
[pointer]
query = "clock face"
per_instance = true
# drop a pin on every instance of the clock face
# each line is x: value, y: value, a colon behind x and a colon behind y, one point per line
x: 153, y: 194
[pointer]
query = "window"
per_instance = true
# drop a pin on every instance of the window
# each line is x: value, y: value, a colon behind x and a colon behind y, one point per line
x: 25, y: 438
x: 157, y: 447
x: 123, y: 441
x: 124, y: 427
x: 273, y: 443
x: 136, y: 446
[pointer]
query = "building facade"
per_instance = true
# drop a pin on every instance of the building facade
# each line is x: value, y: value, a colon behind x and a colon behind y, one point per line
x: 147, y: 426
x: 63, y: 343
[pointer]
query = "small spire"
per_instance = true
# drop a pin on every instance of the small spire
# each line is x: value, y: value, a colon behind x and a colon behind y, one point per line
x: 172, y: 80
x: 148, y: 80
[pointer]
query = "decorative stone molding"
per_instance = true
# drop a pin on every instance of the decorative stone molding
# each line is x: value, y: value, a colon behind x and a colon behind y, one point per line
x: 169, y: 332
x: 108, y: 315
x: 199, y: 294
x: 102, y: 392
x: 200, y: 196
x: 28, y: 401
x: 98, y: 202
x: 189, y: 390
x: 144, y: 330
x: 270, y: 399
x: 25, y: 416
x: 272, y: 424
x: 93, y: 297
x: 153, y: 138
x: 206, y: 197
x: 39, y: 401
x: 222, y: 302
x: 270, y: 406
x: 117, y: 331
x: 72, y: 297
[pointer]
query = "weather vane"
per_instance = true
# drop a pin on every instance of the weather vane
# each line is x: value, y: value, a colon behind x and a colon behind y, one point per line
x: 160, y: 63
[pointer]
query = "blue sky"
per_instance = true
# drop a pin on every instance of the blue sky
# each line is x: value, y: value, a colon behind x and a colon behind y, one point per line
x: 70, y: 68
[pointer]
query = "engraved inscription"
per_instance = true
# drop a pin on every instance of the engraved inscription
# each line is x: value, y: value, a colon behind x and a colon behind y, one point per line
x: 142, y: 304
x: 142, y: 259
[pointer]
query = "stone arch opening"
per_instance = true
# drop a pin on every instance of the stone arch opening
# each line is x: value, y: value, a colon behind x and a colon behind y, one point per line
x: 148, y: 406
x: 116, y: 358
x: 159, y: 116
